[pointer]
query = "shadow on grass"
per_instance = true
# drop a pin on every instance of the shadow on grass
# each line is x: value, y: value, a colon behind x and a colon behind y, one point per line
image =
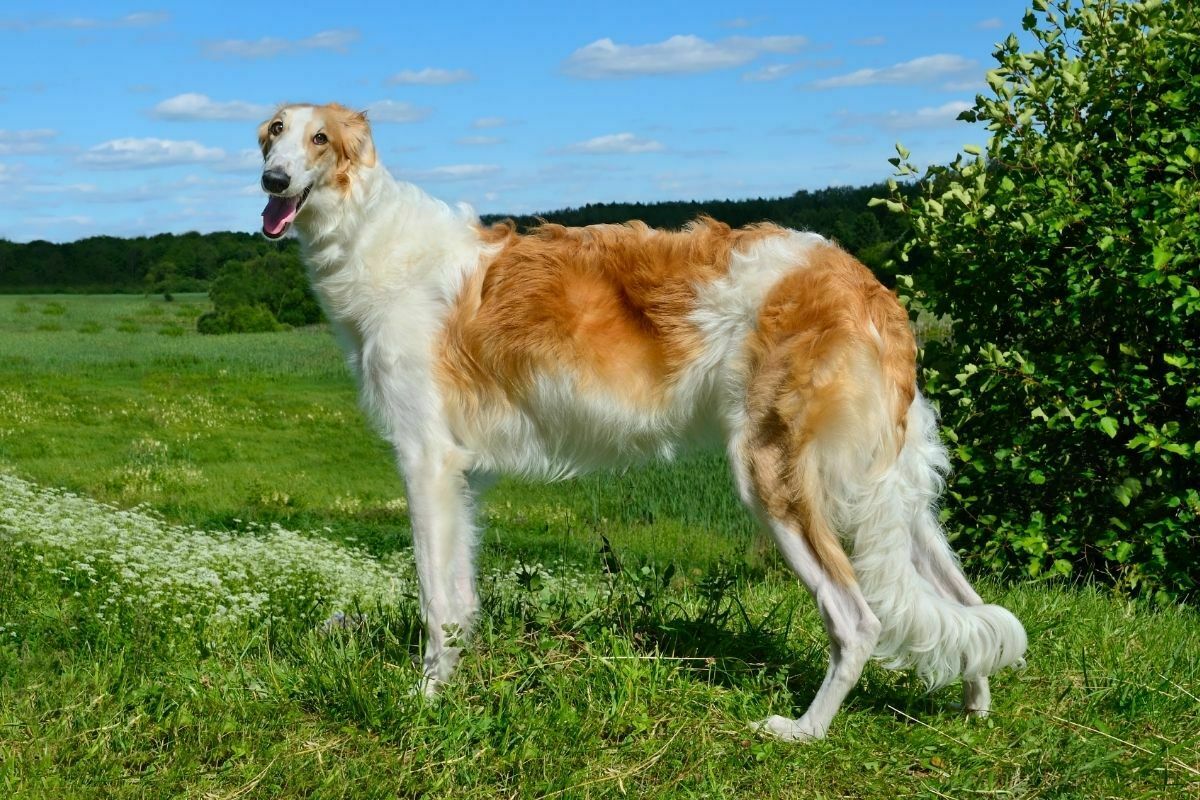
x: 364, y: 668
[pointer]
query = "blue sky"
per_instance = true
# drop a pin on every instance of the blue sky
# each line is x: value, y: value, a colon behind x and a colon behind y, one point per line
x: 129, y: 119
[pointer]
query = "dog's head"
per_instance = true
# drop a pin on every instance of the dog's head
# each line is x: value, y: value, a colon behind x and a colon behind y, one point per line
x: 309, y: 150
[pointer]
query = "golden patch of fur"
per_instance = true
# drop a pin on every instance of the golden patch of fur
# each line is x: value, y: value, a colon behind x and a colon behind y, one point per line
x: 817, y: 329
x: 501, y: 232
x: 349, y: 136
x: 610, y: 306
x: 608, y: 303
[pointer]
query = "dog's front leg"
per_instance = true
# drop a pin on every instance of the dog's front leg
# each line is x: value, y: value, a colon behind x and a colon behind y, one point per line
x: 440, y: 505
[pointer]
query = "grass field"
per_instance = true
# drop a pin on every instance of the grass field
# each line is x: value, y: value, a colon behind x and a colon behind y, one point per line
x: 181, y: 515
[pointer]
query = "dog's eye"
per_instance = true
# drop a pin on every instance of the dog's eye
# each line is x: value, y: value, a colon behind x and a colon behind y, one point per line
x: 276, y: 128
x: 320, y: 138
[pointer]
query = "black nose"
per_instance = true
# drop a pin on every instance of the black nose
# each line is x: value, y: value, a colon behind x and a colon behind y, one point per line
x: 275, y: 180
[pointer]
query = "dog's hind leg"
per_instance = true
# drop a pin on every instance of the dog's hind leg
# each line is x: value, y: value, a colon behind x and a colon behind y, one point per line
x: 840, y: 448
x: 441, y: 502
x: 852, y: 627
x: 853, y: 631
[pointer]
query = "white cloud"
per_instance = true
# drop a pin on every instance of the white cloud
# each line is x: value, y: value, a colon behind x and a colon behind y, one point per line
x: 678, y: 55
x: 144, y: 18
x: 178, y: 190
x: 771, y: 72
x: 55, y: 220
x: 329, y: 40
x: 193, y: 106
x: 489, y: 122
x: 930, y: 117
x: 480, y: 140
x: 269, y: 46
x: 871, y: 41
x: 738, y: 23
x: 139, y: 19
x: 241, y: 48
x: 61, y: 188
x: 430, y: 76
x: 395, y: 111
x: 149, y: 152
x: 26, y: 142
x: 453, y: 172
x: 249, y: 159
x: 989, y: 24
x: 625, y: 143
x: 926, y: 69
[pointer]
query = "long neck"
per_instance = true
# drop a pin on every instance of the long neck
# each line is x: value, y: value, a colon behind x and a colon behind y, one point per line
x: 336, y: 219
x: 385, y: 233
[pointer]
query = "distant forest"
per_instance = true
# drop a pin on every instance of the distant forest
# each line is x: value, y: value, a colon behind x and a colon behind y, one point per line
x: 107, y: 264
x: 189, y: 262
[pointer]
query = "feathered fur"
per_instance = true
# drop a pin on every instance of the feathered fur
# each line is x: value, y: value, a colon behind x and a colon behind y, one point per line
x: 481, y: 351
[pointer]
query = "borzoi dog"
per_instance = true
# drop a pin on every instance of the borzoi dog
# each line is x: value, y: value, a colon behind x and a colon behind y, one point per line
x: 480, y: 350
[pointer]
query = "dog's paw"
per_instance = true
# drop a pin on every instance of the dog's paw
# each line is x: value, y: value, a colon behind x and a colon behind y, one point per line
x: 787, y: 729
x: 977, y: 698
x: 428, y: 688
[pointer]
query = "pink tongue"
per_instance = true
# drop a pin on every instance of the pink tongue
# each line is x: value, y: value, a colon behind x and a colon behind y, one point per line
x: 278, y: 213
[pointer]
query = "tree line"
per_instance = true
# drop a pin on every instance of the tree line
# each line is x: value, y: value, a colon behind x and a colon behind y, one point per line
x: 839, y: 212
x: 108, y: 264
x: 192, y: 261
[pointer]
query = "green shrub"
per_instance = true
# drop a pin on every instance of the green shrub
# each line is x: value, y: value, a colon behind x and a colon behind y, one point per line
x: 274, y: 283
x: 1068, y: 258
x: 239, y: 319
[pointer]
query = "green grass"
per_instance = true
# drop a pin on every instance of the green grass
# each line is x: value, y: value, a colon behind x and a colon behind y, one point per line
x: 267, y: 426
x: 178, y: 649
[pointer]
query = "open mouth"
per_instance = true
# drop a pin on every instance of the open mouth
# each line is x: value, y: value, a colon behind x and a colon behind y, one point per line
x: 280, y: 211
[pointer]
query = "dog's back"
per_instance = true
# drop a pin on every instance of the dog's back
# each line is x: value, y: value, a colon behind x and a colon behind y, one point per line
x: 608, y: 343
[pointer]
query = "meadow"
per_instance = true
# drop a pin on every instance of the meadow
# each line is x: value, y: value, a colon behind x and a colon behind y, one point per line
x: 206, y: 590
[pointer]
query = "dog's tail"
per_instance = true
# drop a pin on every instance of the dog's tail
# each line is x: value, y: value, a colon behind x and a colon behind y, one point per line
x: 921, y: 626
x: 888, y: 516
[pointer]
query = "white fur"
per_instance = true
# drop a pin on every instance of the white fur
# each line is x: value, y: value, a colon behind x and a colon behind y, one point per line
x: 288, y: 151
x: 387, y: 263
x: 931, y: 617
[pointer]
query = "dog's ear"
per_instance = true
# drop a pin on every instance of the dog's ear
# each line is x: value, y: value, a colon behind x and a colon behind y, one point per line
x: 366, y: 143
x: 367, y: 156
x: 350, y: 135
